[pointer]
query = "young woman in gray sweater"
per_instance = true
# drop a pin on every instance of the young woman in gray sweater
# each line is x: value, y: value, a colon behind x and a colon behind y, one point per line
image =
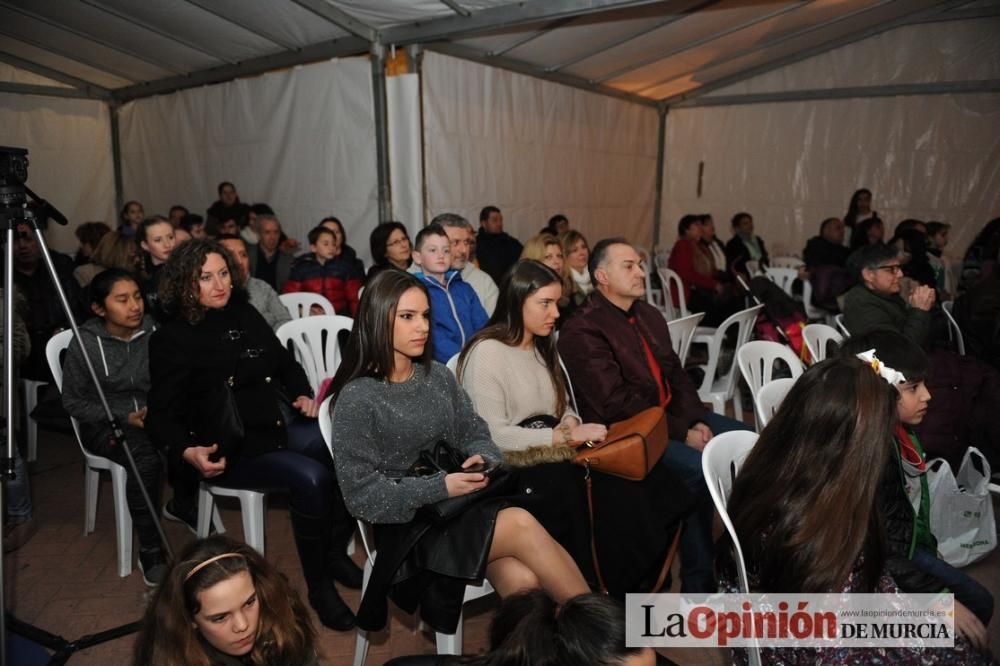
x: 392, y: 402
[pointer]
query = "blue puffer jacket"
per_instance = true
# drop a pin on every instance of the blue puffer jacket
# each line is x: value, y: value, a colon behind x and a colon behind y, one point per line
x: 456, y: 314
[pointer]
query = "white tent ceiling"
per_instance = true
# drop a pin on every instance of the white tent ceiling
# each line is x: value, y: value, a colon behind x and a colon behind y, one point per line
x: 651, y: 52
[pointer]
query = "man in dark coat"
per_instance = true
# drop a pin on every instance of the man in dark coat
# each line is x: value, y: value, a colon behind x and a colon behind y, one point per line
x: 497, y: 251
x: 227, y: 207
x: 618, y: 354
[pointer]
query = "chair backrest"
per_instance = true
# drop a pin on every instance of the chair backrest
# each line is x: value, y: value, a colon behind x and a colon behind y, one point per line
x: 326, y: 429
x: 785, y: 262
x: 720, y: 463
x: 954, y: 332
x: 744, y: 319
x: 673, y: 284
x: 756, y: 360
x: 54, y: 349
x: 682, y: 332
x: 812, y: 312
x: 816, y: 337
x: 300, y: 302
x: 653, y: 296
x: 784, y: 278
x: 315, y: 344
x: 452, y: 364
x: 769, y: 398
x: 839, y: 321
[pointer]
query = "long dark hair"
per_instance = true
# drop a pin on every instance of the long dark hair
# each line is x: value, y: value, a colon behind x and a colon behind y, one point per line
x: 285, y: 633
x: 178, y: 282
x: 369, y: 351
x: 102, y: 284
x: 507, y: 323
x: 852, y: 208
x: 380, y: 236
x: 804, y: 502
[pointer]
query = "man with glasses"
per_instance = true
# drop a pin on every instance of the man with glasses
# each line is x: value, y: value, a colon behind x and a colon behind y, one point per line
x: 463, y: 247
x: 875, y: 302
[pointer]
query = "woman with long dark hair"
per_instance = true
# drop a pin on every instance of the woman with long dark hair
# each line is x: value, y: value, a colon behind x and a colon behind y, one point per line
x: 805, y: 502
x: 230, y: 404
x: 391, y: 402
x: 390, y: 247
x: 512, y: 372
x: 223, y: 604
x: 859, y: 209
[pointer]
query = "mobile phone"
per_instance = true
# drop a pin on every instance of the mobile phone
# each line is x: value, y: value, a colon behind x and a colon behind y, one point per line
x: 486, y: 469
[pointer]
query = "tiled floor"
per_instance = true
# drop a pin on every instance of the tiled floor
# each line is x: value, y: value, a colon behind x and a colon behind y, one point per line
x: 68, y: 585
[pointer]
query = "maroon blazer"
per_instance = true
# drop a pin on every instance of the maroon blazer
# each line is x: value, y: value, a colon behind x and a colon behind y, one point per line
x: 606, y: 362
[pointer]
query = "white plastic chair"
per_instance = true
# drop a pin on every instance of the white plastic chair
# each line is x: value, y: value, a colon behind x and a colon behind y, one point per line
x: 720, y: 463
x: 300, y: 302
x: 784, y: 278
x: 839, y: 321
x: 816, y: 337
x: 446, y: 643
x: 722, y: 389
x: 94, y: 464
x: 954, y: 332
x: 30, y: 388
x: 672, y: 282
x: 452, y: 364
x: 653, y: 296
x: 756, y: 360
x: 682, y: 332
x: 251, y: 509
x: 315, y: 344
x: 769, y: 398
x: 786, y: 262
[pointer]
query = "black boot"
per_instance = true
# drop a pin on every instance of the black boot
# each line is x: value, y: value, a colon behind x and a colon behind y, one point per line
x: 312, y: 538
x: 340, y: 566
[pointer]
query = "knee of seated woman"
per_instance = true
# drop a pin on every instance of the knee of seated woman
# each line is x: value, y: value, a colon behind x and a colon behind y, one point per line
x: 518, y: 518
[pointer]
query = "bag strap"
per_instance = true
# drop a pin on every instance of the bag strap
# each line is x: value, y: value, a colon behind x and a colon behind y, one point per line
x: 667, y: 562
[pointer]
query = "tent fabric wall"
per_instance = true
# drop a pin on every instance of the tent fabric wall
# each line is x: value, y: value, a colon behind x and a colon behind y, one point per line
x: 301, y: 140
x: 793, y: 164
x: 406, y: 176
x: 535, y: 148
x: 69, y: 153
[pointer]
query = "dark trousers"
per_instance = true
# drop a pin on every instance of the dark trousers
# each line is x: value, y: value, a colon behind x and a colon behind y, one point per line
x: 966, y: 589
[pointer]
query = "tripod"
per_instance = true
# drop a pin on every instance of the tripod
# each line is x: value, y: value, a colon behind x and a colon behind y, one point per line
x: 16, y: 211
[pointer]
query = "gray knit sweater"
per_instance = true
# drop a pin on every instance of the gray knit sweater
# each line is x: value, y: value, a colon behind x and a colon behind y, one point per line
x: 379, y: 429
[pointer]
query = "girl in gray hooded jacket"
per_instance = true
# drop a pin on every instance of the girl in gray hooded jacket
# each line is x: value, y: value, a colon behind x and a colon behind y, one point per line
x: 117, y: 341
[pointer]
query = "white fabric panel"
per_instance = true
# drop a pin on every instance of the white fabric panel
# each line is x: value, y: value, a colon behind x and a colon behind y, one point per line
x: 405, y: 150
x: 535, y: 148
x: 301, y: 140
x: 793, y: 164
x: 928, y: 52
x: 69, y: 155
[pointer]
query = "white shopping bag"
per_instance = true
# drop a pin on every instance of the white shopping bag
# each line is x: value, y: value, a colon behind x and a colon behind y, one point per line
x: 962, y: 509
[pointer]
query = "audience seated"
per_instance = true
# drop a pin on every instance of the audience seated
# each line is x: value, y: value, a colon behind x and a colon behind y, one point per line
x: 391, y: 402
x: 327, y: 271
x: 223, y: 603
x: 194, y: 225
x: 89, y: 234
x: 229, y: 404
x: 227, y: 207
x: 463, y: 245
x: 980, y: 260
x: 456, y: 313
x: 176, y: 214
x: 694, y: 264
x: 345, y: 250
x: 805, y: 508
x: 512, y: 373
x: 911, y: 244
x: 267, y: 260
x: 117, y: 342
x: 547, y: 249
x: 859, y: 210
x: 390, y: 248
x: 875, y: 301
x: 261, y: 295
x: 557, y: 224
x: 744, y: 246
x: 156, y: 240
x: 869, y: 232
x: 130, y: 217
x: 825, y: 258
x: 41, y: 309
x: 576, y: 252
x: 618, y: 354
x: 903, y: 498
x: 496, y: 250
x: 116, y: 250
x: 250, y: 232
x: 978, y: 315
x: 943, y: 263
x: 715, y: 247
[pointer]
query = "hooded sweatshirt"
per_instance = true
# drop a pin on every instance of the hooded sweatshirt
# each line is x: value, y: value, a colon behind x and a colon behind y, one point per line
x: 122, y: 368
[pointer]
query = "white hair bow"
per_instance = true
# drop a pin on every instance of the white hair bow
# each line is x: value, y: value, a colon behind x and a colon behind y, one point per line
x: 885, y: 372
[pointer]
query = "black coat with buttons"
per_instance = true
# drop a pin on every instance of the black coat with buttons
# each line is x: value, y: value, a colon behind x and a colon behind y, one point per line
x: 191, y: 366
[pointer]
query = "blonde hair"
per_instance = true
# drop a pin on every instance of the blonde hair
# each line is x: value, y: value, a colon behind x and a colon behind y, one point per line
x: 534, y: 248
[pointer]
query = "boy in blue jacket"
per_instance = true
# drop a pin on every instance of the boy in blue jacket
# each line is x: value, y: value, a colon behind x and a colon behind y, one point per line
x: 456, y: 313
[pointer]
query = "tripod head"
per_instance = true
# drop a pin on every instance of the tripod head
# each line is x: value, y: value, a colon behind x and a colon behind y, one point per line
x: 14, y: 206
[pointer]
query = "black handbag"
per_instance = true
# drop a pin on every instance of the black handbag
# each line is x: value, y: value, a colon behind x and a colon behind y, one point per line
x: 448, y: 459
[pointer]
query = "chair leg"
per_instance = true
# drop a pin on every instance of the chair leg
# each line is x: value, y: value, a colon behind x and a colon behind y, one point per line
x: 206, y: 506
x: 123, y: 522
x: 361, y: 642
x: 719, y: 404
x: 91, y: 481
x: 253, y: 520
x: 737, y: 404
x: 220, y: 527
x: 450, y: 643
x: 352, y: 546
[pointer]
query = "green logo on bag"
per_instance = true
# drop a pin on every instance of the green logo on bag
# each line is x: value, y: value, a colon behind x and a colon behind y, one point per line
x: 971, y: 514
x: 981, y: 542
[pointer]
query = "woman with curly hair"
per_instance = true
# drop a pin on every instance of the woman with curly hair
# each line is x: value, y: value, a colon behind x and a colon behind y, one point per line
x: 224, y: 604
x: 229, y: 403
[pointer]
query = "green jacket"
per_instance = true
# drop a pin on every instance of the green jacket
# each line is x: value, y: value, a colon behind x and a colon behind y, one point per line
x: 865, y: 310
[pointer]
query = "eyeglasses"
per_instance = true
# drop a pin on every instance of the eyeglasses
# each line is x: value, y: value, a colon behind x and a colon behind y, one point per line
x: 398, y: 242
x: 892, y: 268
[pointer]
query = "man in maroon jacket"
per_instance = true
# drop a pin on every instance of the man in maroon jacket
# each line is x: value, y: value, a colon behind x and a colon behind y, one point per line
x: 617, y: 351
